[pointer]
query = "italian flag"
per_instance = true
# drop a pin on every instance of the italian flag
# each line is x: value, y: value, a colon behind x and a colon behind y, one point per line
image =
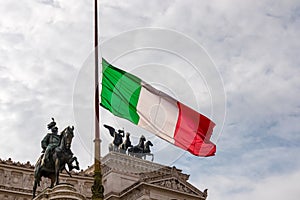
x: 128, y: 97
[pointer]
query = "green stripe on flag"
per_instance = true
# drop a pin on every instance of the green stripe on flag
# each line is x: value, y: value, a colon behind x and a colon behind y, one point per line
x: 120, y: 92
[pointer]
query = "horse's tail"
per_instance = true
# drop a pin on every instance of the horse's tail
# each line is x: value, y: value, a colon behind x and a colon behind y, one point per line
x: 37, y: 175
x: 38, y: 162
x: 34, y: 188
x: 37, y: 166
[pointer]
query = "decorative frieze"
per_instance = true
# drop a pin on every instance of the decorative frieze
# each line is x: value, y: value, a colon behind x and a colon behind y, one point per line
x: 174, y: 185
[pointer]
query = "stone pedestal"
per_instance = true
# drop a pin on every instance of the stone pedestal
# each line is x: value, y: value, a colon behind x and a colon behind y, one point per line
x: 59, y: 192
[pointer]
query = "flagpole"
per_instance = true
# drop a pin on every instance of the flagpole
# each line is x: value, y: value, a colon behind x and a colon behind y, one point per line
x: 97, y: 188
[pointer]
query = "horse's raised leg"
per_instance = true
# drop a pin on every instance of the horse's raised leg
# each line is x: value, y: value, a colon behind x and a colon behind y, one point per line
x: 77, y: 164
x: 70, y: 164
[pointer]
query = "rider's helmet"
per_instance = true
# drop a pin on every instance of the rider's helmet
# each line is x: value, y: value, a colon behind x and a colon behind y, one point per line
x: 51, y: 124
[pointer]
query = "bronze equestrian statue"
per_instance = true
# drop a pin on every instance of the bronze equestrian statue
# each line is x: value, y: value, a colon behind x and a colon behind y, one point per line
x: 56, y: 154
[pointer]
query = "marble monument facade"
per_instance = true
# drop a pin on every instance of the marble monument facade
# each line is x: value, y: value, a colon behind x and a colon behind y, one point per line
x: 124, y: 178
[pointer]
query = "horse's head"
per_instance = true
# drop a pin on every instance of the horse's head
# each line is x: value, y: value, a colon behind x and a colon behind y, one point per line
x: 142, y: 138
x: 149, y: 143
x: 67, y: 136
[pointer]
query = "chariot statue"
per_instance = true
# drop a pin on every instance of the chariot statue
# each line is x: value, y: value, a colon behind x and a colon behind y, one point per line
x: 141, y: 150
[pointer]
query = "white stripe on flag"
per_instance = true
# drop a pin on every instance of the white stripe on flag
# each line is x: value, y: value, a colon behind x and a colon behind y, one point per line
x: 158, y: 113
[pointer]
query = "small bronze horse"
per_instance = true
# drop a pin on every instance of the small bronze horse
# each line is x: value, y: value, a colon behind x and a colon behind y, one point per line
x: 60, y: 156
x: 147, y: 151
x: 137, y: 151
x: 126, y: 144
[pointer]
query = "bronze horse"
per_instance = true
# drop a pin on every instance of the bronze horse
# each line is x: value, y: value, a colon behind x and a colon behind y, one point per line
x: 147, y: 151
x: 126, y: 144
x: 142, y: 149
x: 60, y: 156
x: 137, y: 151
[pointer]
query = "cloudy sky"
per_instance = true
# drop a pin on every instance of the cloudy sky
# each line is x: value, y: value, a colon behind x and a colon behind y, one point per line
x: 45, y: 46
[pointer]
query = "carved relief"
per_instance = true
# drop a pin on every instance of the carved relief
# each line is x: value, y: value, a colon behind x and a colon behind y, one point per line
x: 1, y: 176
x: 168, y: 184
x: 26, y: 181
x: 179, y: 187
x: 17, y: 178
x: 31, y: 180
x: 7, y: 178
x: 174, y: 185
x: 87, y: 187
x: 80, y: 187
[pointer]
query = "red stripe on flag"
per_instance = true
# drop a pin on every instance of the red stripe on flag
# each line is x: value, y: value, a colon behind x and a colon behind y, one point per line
x: 193, y: 132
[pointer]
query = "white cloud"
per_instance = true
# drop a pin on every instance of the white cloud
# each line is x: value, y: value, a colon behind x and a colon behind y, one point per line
x: 276, y: 187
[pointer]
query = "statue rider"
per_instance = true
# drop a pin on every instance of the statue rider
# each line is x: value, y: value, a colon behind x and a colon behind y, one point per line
x: 119, y: 137
x: 50, y: 141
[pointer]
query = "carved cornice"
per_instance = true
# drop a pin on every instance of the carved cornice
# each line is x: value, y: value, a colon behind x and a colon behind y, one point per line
x: 9, y: 163
x: 124, y: 164
x: 128, y: 164
x: 15, y: 190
